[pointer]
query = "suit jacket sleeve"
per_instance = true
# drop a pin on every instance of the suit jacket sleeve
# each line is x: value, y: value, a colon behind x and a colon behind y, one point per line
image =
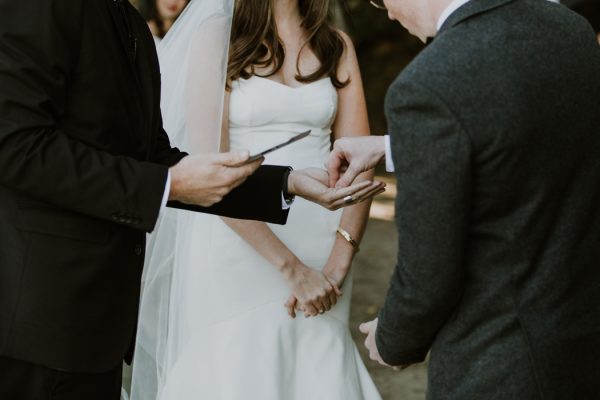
x: 432, y: 155
x: 44, y: 162
x: 39, y: 42
x: 259, y: 198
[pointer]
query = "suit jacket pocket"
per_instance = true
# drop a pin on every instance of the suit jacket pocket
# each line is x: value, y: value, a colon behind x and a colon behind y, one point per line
x: 56, y: 222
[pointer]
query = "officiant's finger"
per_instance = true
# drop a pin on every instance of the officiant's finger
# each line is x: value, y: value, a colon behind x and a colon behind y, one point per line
x: 232, y: 159
x: 240, y: 174
x: 244, y: 171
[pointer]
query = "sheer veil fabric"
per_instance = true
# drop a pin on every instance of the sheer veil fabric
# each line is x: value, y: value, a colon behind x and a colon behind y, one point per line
x: 193, y: 58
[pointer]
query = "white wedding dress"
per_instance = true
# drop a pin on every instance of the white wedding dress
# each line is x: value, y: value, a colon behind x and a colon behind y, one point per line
x: 236, y: 340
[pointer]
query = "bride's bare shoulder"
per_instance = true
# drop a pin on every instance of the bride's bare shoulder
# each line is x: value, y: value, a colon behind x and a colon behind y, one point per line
x: 348, y: 66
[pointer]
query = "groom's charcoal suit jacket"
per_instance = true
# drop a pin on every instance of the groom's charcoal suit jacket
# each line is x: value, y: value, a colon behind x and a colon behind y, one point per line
x: 83, y: 167
x: 496, y: 142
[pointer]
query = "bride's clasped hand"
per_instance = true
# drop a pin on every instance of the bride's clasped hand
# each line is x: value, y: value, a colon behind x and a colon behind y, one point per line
x: 312, y: 292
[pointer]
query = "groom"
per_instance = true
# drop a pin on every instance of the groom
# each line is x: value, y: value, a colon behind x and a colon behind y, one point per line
x: 495, y: 140
x: 85, y: 169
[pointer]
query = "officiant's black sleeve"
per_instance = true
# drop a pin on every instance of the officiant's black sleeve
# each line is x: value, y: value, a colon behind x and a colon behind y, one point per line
x: 432, y: 157
x: 259, y: 198
x: 39, y: 49
x: 47, y: 158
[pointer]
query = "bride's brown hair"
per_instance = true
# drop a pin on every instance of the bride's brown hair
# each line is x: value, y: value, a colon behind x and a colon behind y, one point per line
x: 255, y: 42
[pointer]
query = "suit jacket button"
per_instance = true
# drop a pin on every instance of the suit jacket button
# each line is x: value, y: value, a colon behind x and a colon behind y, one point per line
x: 138, y: 250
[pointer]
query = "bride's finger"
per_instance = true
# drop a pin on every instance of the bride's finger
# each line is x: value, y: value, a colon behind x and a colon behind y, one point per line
x: 320, y: 305
x: 359, y: 194
x: 371, y: 194
x: 290, y: 301
x: 336, y: 289
x: 364, y: 195
x: 368, y: 192
x: 292, y: 312
x: 291, y: 305
x: 310, y: 310
x: 333, y: 299
x: 340, y: 193
x: 326, y: 304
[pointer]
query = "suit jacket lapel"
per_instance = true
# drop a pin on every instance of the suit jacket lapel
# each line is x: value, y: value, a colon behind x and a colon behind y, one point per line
x: 471, y: 9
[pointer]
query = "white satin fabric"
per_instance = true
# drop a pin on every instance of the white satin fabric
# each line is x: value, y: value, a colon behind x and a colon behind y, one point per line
x: 212, y: 321
x: 237, y: 341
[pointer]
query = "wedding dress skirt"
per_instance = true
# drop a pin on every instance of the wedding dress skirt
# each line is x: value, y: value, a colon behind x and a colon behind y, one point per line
x: 235, y: 340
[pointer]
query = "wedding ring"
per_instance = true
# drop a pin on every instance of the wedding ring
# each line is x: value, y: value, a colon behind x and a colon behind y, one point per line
x: 348, y: 199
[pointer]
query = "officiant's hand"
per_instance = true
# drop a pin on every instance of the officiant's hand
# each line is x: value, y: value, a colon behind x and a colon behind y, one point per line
x: 352, y: 156
x: 313, y: 185
x: 312, y: 292
x: 206, y: 179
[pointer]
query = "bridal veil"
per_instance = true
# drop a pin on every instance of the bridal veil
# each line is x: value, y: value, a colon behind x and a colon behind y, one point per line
x: 193, y: 58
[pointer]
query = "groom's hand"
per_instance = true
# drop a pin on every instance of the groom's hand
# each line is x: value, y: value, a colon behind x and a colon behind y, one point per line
x: 206, y: 179
x: 370, y: 329
x: 352, y: 156
x: 313, y: 185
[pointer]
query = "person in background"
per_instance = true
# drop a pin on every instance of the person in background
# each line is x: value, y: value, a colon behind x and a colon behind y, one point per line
x: 589, y: 9
x: 161, y: 15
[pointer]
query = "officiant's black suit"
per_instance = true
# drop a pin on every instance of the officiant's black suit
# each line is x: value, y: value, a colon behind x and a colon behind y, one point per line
x: 83, y: 168
x: 496, y: 142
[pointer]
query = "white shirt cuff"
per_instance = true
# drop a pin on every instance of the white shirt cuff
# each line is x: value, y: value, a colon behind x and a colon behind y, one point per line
x: 284, y: 204
x: 389, y: 162
x: 166, y: 194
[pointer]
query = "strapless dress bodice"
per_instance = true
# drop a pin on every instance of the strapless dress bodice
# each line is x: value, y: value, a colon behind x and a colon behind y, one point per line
x: 263, y: 113
x: 243, y: 344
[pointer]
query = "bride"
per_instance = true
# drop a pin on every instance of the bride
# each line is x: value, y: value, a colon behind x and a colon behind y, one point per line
x: 222, y: 299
